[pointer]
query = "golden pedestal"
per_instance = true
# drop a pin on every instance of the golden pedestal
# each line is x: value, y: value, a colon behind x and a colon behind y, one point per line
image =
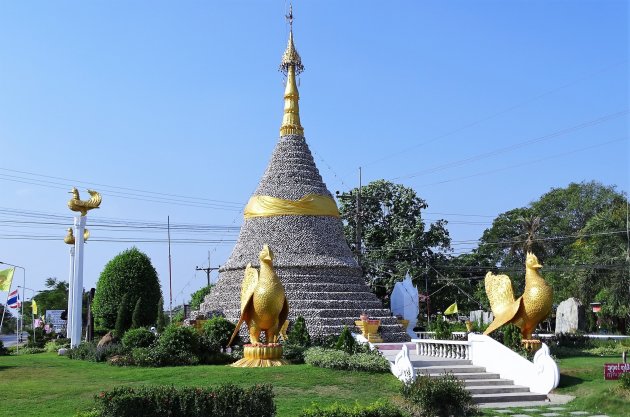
x: 531, y: 345
x: 261, y: 356
x: 369, y: 330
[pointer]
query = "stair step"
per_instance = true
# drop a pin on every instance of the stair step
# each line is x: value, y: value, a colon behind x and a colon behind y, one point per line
x: 508, y: 397
x: 496, y: 389
x: 487, y: 382
x: 454, y: 369
x: 470, y: 376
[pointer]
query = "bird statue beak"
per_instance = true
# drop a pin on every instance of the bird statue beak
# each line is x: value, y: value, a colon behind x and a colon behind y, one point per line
x: 537, y: 266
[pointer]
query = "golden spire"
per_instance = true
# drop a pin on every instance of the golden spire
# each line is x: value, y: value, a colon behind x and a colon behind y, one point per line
x: 291, y: 66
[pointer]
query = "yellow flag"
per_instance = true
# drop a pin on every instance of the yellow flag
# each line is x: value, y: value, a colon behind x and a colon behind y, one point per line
x: 452, y: 309
x: 34, y: 306
x: 6, y: 276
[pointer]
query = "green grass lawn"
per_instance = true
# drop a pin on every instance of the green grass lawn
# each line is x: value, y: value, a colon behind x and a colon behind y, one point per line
x: 48, y: 385
x: 583, y: 377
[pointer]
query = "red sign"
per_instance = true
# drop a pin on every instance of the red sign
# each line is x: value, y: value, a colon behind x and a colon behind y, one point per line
x: 613, y: 370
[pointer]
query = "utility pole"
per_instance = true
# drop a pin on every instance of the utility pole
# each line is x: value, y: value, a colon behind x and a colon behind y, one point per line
x: 358, y: 214
x: 208, y: 269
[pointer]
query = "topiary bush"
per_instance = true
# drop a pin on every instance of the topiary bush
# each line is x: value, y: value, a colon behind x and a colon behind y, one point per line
x: 123, y: 321
x: 345, y: 341
x: 298, y: 341
x: 217, y: 332
x: 129, y: 273
x: 377, y: 409
x: 163, y: 401
x: 138, y: 338
x: 180, y: 339
x: 339, y: 359
x: 442, y: 396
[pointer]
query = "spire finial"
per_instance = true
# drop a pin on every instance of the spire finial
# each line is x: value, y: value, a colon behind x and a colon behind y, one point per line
x: 291, y: 65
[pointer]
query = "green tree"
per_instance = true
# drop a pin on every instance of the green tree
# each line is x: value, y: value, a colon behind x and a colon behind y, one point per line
x: 136, y: 317
x: 161, y: 320
x: 395, y: 238
x: 129, y: 273
x: 198, y: 296
x: 123, y: 317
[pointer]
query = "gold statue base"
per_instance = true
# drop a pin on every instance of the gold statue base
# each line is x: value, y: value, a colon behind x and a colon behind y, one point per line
x: 369, y: 330
x: 261, y: 356
x: 531, y: 345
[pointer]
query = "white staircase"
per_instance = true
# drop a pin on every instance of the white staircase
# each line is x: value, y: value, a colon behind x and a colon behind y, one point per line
x: 485, y: 387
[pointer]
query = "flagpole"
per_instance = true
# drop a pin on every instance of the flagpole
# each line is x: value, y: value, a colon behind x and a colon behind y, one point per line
x: 17, y: 347
x: 4, y: 309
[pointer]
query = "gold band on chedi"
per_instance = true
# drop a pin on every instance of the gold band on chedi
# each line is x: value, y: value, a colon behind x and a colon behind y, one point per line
x: 309, y: 205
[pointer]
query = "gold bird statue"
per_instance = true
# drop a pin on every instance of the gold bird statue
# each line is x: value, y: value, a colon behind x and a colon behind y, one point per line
x: 76, y: 204
x: 527, y: 310
x: 264, y: 306
x: 69, y: 239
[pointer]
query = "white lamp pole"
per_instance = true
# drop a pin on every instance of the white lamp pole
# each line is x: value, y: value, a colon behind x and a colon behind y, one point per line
x: 77, y: 286
x: 70, y: 294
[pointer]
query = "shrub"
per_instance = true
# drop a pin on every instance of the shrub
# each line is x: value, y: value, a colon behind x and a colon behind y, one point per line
x: 138, y: 338
x: 338, y: 359
x: 28, y: 350
x: 162, y: 401
x: 442, y: 328
x: 3, y: 351
x: 179, y: 339
x: 56, y: 344
x: 88, y: 351
x: 442, y: 396
x: 378, y: 409
x: 41, y: 337
x: 624, y: 380
x: 345, y: 341
x: 217, y: 332
x: 512, y: 337
x: 129, y: 273
x: 157, y: 356
x: 298, y: 341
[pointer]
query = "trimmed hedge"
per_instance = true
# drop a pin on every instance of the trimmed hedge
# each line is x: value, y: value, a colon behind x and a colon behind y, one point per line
x: 338, y: 359
x: 442, y: 396
x: 378, y: 409
x: 138, y: 338
x: 129, y: 273
x: 159, y: 401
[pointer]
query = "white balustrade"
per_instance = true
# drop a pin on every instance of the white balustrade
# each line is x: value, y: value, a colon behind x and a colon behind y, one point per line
x: 451, y: 349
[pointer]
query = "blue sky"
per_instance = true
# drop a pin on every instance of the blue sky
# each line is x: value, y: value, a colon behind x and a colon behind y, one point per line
x: 480, y: 106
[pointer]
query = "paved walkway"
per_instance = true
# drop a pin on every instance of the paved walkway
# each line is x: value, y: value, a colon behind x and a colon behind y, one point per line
x: 549, y: 411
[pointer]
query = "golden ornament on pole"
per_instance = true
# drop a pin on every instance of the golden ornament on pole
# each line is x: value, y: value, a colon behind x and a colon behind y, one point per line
x: 264, y: 308
x: 83, y: 206
x: 527, y: 310
x: 69, y: 239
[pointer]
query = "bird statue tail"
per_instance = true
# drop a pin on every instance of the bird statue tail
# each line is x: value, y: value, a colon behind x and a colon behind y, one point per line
x: 502, y: 302
x: 238, y: 327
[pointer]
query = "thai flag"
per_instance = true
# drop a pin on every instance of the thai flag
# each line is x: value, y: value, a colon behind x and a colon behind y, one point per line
x: 14, y: 299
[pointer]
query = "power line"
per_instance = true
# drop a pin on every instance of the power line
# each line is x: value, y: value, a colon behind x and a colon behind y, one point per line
x: 530, y: 162
x: 499, y: 151
x: 498, y: 113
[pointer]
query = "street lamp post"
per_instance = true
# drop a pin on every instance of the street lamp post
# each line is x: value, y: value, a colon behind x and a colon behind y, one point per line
x: 21, y: 325
x: 32, y: 313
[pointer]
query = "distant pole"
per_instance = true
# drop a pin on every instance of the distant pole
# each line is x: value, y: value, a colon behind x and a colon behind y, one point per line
x: 21, y: 318
x: 426, y: 287
x: 170, y: 275
x: 207, y: 270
